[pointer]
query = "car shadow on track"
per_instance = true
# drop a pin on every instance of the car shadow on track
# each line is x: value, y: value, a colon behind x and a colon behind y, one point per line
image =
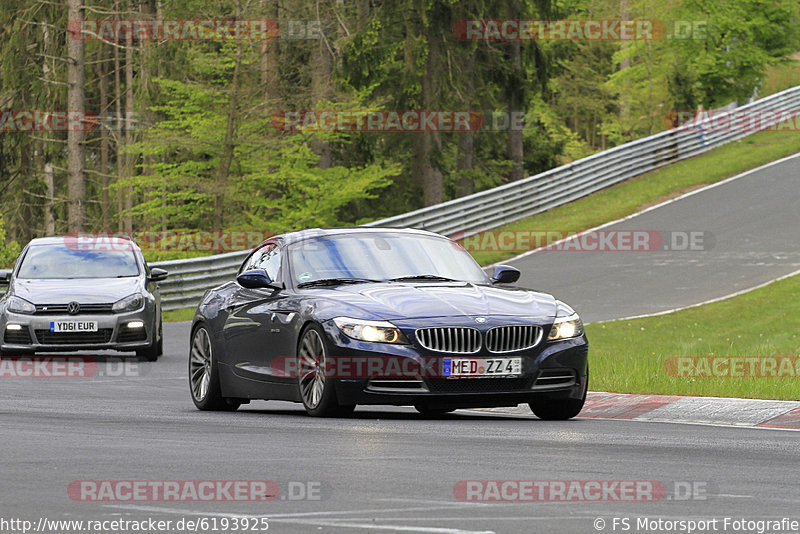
x: 376, y: 415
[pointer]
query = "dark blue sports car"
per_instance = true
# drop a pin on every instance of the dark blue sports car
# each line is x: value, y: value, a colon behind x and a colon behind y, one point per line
x: 333, y: 318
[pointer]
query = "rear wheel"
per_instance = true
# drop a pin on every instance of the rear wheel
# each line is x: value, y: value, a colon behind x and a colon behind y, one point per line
x: 317, y: 391
x: 204, y: 375
x: 555, y: 409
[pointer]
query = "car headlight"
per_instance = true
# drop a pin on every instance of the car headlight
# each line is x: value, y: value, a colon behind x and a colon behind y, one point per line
x: 372, y: 331
x: 20, y: 305
x: 129, y: 303
x: 566, y: 327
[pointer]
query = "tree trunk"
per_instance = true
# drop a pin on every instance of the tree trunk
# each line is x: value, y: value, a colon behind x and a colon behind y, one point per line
x: 321, y: 71
x: 129, y: 158
x: 50, y: 184
x: 76, y: 135
x: 465, y: 164
x: 269, y: 54
x: 427, y: 143
x: 226, y: 157
x: 515, y: 96
x: 120, y: 140
x: 102, y: 75
x: 466, y: 140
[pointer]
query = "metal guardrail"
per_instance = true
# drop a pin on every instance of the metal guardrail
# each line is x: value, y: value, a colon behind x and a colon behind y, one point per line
x: 510, y: 202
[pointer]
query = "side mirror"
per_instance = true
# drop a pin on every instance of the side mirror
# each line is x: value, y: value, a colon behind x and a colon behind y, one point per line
x: 505, y: 274
x: 5, y: 277
x: 157, y: 275
x: 256, y: 279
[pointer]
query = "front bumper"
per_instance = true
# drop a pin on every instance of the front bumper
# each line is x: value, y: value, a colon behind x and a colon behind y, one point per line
x: 113, y: 332
x: 552, y: 369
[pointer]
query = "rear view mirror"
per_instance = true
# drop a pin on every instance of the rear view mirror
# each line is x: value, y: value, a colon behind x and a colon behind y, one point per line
x: 157, y: 275
x: 255, y: 279
x: 505, y: 274
x: 5, y: 277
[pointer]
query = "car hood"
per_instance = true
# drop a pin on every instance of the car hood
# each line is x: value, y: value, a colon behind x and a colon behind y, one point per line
x: 417, y: 301
x: 85, y: 291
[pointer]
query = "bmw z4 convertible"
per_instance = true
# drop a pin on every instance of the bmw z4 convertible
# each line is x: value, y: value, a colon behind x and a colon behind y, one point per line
x: 334, y: 318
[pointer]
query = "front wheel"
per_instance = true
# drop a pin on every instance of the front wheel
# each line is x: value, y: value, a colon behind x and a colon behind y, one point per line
x: 317, y: 391
x: 156, y: 348
x: 204, y: 375
x: 555, y: 409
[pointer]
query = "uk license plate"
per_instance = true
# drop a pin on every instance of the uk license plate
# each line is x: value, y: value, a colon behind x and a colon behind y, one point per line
x: 480, y: 367
x: 73, y: 326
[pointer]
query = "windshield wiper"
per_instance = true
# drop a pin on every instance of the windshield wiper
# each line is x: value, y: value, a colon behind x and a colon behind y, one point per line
x: 422, y: 277
x: 336, y: 282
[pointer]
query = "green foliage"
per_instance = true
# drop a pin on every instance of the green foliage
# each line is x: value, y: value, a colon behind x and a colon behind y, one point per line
x: 191, y: 170
x: 9, y: 250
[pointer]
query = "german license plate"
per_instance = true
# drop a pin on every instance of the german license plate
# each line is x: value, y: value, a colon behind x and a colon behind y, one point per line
x: 73, y: 326
x: 478, y: 367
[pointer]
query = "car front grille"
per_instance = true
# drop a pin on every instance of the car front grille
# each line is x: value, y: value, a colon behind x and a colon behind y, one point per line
x: 454, y: 340
x: 46, y: 337
x: 513, y: 338
x: 18, y: 337
x: 61, y: 309
x: 478, y: 385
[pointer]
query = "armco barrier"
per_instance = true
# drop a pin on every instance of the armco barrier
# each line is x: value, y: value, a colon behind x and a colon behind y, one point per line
x: 511, y: 202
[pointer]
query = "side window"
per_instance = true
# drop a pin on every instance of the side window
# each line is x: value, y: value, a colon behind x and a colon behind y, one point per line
x: 267, y: 258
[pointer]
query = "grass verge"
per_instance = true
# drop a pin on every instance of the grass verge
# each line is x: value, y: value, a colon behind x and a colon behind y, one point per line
x: 631, y: 356
x: 184, y: 314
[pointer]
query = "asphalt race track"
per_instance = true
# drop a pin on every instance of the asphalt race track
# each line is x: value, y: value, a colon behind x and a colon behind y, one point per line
x: 749, y: 230
x: 391, y: 470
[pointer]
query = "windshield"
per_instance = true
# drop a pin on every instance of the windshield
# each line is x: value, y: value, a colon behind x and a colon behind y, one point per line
x: 382, y: 256
x: 60, y: 261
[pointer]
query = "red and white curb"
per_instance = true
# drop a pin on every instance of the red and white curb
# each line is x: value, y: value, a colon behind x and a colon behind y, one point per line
x: 677, y: 409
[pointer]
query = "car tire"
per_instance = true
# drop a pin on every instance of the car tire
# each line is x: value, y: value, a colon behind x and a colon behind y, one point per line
x: 432, y: 412
x: 156, y: 348
x: 555, y: 409
x: 204, y: 375
x: 317, y: 393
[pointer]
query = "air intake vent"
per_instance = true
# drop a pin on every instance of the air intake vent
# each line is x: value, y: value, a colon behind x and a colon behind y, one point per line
x: 18, y: 337
x: 453, y: 340
x: 550, y: 378
x: 513, y: 338
x: 61, y: 309
x: 47, y: 337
